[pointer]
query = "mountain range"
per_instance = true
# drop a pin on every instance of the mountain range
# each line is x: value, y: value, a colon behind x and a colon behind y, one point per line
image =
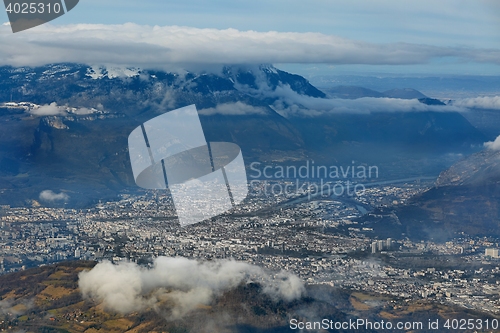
x: 79, y: 144
x: 353, y: 92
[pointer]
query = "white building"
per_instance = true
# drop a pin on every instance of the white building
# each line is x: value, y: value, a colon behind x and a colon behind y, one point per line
x: 492, y: 253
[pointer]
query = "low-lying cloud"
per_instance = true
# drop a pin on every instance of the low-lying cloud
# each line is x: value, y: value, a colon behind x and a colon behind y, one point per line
x: 51, y: 109
x: 291, y: 104
x: 493, y: 145
x: 15, y: 308
x: 51, y: 196
x: 485, y: 102
x: 159, y: 47
x: 83, y: 111
x: 178, y: 285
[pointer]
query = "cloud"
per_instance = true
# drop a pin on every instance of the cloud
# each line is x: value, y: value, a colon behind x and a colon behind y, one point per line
x: 233, y: 109
x: 485, y: 102
x: 289, y: 104
x: 493, y: 145
x: 83, y: 111
x: 15, y: 308
x: 159, y: 47
x: 289, y: 288
x: 50, y: 196
x: 179, y: 284
x: 51, y: 109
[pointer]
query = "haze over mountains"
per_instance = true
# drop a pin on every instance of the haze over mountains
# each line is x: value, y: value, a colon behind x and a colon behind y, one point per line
x: 77, y: 141
x: 353, y: 92
x: 435, y: 85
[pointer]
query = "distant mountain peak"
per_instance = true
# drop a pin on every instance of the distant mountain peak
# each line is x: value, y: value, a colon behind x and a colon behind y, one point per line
x: 404, y: 93
x: 431, y: 101
x: 268, y: 68
x: 354, y: 92
x: 253, y: 79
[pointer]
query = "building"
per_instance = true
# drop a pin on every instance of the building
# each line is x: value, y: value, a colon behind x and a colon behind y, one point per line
x: 388, y: 244
x: 492, y: 253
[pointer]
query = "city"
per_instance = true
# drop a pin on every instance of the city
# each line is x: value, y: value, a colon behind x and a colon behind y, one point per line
x: 321, y: 241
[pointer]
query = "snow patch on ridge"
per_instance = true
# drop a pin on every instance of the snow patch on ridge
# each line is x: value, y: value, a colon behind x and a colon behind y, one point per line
x: 100, y: 72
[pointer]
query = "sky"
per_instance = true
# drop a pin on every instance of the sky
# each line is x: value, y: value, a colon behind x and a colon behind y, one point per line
x: 315, y: 36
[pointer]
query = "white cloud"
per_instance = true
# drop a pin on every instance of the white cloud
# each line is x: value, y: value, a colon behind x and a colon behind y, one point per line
x: 83, y: 111
x: 50, y: 196
x: 159, y: 47
x: 182, y: 282
x: 290, y: 103
x: 234, y: 109
x: 51, y: 109
x: 493, y: 145
x: 485, y: 102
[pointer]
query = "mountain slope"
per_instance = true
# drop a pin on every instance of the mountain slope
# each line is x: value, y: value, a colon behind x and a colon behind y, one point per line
x: 406, y: 93
x: 465, y: 200
x: 352, y: 92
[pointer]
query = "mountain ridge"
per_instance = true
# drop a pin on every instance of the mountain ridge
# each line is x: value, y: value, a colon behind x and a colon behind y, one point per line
x: 79, y: 145
x: 355, y: 92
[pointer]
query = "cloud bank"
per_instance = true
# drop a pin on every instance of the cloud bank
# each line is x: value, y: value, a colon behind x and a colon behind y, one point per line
x: 51, y: 196
x: 493, y: 145
x: 157, y: 47
x: 51, y: 109
x: 291, y: 104
x: 178, y: 284
x: 486, y: 102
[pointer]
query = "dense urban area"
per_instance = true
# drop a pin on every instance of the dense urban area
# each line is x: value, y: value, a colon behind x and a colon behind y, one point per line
x: 315, y: 237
